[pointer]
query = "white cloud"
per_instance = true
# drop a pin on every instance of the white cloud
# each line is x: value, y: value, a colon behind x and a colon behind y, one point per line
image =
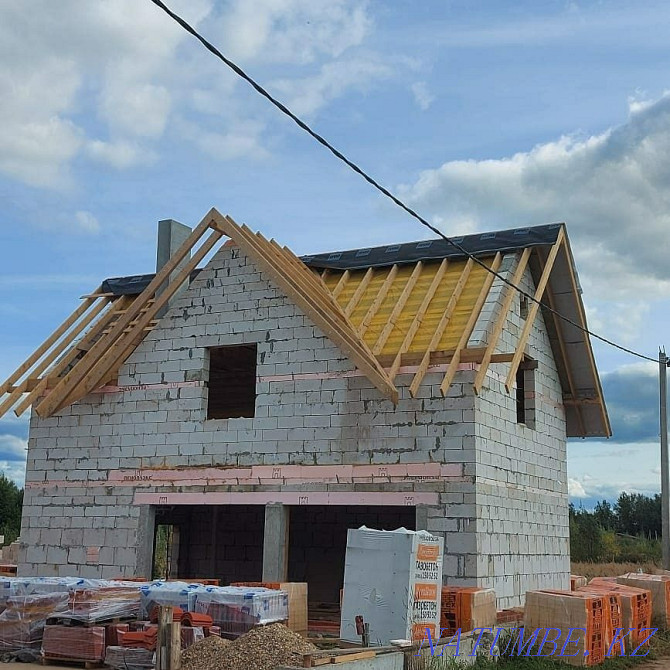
x: 613, y: 190
x: 293, y: 31
x: 575, y: 489
x: 306, y: 96
x: 119, y: 155
x: 422, y: 96
x: 86, y: 222
x: 13, y: 448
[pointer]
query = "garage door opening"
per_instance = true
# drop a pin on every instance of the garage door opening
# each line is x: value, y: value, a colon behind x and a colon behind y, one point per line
x: 223, y: 542
x: 318, y: 542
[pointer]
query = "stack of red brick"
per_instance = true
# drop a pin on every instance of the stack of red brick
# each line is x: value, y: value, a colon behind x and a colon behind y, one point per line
x: 467, y: 608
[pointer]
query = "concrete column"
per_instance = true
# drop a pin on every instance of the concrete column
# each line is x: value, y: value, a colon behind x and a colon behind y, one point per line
x: 145, y: 542
x: 275, y: 543
x: 171, y: 235
x: 421, y: 517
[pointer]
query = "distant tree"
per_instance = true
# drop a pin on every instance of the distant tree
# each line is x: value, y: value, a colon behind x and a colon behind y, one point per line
x: 11, y: 502
x: 605, y: 516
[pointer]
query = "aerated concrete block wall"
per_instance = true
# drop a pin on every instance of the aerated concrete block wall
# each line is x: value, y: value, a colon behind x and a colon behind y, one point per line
x: 79, y: 518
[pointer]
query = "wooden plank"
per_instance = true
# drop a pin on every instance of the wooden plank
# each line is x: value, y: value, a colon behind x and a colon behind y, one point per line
x: 418, y: 317
x: 317, y: 303
x: 501, y: 319
x: 399, y: 306
x: 358, y: 293
x: 587, y: 340
x: 117, y: 351
x: 341, y: 284
x: 355, y: 656
x: 470, y: 325
x: 48, y: 343
x: 78, y: 374
x: 377, y: 302
x: 532, y: 310
x: 440, y: 357
x: 51, y: 379
x: 441, y: 327
x: 558, y: 325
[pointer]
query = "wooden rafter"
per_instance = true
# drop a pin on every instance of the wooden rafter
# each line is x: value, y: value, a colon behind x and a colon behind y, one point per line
x: 309, y: 293
x: 49, y: 342
x: 52, y: 376
x: 533, y: 309
x: 78, y: 377
x: 124, y: 343
x: 418, y: 317
x: 377, y: 302
x: 341, y: 284
x: 399, y: 306
x: 558, y: 325
x: 501, y: 319
x: 470, y: 325
x: 441, y: 327
x: 358, y: 293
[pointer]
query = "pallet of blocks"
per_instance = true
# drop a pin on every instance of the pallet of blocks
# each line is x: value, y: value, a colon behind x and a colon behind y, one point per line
x: 659, y: 585
x: 467, y: 608
x: 75, y: 644
x: 566, y: 610
x: 297, y: 601
x: 635, y: 606
x: 576, y: 581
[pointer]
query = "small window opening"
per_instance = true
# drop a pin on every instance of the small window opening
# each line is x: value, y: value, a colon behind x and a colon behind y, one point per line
x: 232, y: 382
x: 523, y: 307
x: 525, y: 393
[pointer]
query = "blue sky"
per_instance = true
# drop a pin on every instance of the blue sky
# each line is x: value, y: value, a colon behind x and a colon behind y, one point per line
x: 483, y: 115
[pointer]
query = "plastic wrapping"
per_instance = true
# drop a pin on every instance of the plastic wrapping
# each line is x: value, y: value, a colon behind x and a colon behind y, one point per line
x: 23, y: 621
x: 103, y: 603
x: 128, y: 658
x: 177, y: 594
x: 74, y: 643
x: 237, y: 609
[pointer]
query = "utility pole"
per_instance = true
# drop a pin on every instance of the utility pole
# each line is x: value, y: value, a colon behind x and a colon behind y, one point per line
x: 665, y: 478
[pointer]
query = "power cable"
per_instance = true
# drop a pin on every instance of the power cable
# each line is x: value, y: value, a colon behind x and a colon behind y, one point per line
x: 373, y: 182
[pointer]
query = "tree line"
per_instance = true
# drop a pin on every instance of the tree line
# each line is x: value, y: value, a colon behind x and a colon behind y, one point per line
x: 628, y: 530
x: 11, y: 502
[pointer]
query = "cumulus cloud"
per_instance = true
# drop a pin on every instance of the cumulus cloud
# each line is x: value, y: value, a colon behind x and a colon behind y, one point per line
x: 104, y: 80
x: 613, y: 190
x: 575, y: 489
x: 307, y: 95
x: 422, y: 96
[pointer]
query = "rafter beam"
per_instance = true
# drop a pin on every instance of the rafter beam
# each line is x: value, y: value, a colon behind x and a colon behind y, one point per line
x: 341, y: 284
x: 418, y: 317
x: 117, y: 352
x: 441, y: 327
x: 470, y: 325
x: 50, y: 341
x: 358, y: 293
x: 78, y: 376
x: 309, y: 293
x: 501, y: 319
x: 533, y: 309
x: 52, y: 377
x: 377, y: 302
x: 399, y: 306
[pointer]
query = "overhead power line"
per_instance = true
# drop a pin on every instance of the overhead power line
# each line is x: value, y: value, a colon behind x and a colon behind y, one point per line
x: 373, y: 182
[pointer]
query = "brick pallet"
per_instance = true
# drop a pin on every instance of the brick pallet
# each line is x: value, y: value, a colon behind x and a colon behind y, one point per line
x: 467, y: 608
x: 78, y: 644
x: 659, y: 586
x: 568, y: 609
x: 635, y: 606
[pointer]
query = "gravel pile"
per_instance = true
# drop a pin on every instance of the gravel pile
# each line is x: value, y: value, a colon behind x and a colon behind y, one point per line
x: 205, y: 654
x: 263, y: 648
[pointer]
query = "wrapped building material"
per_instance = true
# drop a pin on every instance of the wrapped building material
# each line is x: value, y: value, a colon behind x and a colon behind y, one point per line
x: 175, y: 594
x: 297, y: 601
x: 566, y: 611
x: 74, y: 643
x: 467, y: 608
x: 659, y: 585
x: 23, y: 621
x: 237, y: 609
x: 129, y: 658
x: 393, y: 579
x: 99, y: 604
x: 635, y: 608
